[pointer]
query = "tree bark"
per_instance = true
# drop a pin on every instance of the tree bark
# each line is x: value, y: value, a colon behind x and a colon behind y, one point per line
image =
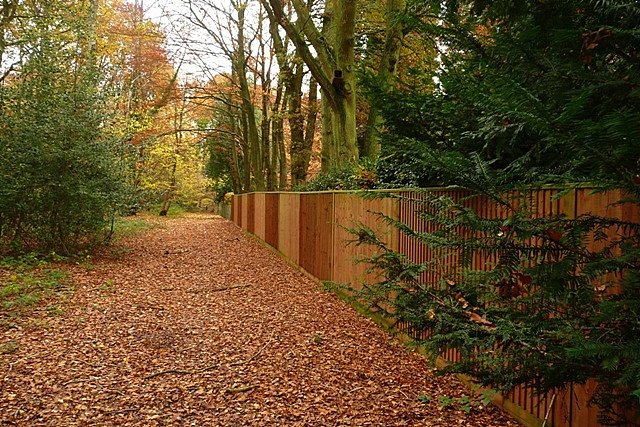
x: 234, y: 161
x: 344, y: 117
x: 277, y: 140
x: 386, y: 71
x: 252, y: 135
x: 269, y: 161
x: 296, y: 126
x: 312, y: 118
x: 332, y: 66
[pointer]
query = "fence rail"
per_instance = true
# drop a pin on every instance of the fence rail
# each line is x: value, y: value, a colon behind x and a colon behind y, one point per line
x: 310, y: 229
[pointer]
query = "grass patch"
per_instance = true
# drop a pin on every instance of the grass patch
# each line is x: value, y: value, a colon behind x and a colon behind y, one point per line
x: 176, y: 210
x: 26, y: 280
x: 131, y: 226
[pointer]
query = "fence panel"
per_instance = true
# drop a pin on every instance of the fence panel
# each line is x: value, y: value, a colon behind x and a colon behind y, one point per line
x: 289, y: 226
x: 350, y: 211
x: 271, y: 219
x: 259, y: 215
x: 237, y: 209
x: 316, y: 234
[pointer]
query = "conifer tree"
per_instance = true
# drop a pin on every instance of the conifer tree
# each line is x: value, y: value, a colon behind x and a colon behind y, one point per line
x: 545, y: 91
x: 528, y: 93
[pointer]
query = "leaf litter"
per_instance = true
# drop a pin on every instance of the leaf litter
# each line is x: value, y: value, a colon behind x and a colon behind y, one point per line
x: 198, y: 324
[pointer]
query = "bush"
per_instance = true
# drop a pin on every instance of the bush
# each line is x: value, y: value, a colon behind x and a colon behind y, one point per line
x: 361, y: 176
x: 59, y: 186
x: 542, y: 302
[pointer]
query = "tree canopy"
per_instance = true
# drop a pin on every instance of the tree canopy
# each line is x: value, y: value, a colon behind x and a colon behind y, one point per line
x: 541, y: 92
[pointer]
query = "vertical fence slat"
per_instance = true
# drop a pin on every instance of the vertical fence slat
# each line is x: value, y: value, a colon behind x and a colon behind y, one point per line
x: 259, y: 215
x: 289, y: 226
x: 316, y: 246
x: 271, y: 218
x: 350, y: 212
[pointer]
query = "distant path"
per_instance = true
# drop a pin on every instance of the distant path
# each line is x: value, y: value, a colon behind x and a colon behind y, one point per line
x: 196, y: 324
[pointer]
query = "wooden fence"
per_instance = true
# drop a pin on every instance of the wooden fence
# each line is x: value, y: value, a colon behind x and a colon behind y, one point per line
x: 309, y: 230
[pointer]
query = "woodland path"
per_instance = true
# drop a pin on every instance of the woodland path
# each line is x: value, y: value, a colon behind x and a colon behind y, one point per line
x: 193, y: 323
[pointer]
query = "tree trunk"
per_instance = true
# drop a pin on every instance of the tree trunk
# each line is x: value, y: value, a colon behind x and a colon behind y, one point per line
x: 312, y: 118
x: 252, y: 135
x: 332, y: 65
x: 277, y: 140
x: 386, y: 71
x: 328, y: 154
x: 296, y: 125
x: 268, y: 160
x: 246, y: 152
x: 344, y: 110
x: 234, y: 161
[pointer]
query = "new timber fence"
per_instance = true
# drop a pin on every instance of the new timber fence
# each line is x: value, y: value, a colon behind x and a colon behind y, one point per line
x: 309, y: 230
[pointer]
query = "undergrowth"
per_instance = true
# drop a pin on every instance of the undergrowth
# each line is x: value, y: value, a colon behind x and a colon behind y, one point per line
x: 131, y: 226
x: 27, y: 280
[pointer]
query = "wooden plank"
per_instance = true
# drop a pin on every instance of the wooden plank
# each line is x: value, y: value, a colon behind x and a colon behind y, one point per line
x: 348, y: 210
x: 629, y: 211
x: 584, y: 414
x: 569, y: 204
x: 236, y: 210
x: 351, y: 211
x: 560, y: 414
x: 251, y: 213
x: 244, y: 214
x: 259, y: 215
x: 271, y: 219
x: 316, y: 234
x: 289, y: 226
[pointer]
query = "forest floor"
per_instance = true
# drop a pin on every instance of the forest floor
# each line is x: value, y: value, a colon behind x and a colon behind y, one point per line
x: 193, y: 323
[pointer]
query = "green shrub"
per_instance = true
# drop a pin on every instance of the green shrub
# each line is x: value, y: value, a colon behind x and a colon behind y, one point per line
x: 361, y: 176
x: 26, y: 280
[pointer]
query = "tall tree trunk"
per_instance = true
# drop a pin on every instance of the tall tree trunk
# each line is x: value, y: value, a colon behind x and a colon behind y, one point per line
x: 252, y: 135
x: 265, y: 59
x: 246, y: 152
x: 234, y: 161
x: 332, y: 65
x: 278, y: 149
x: 312, y: 118
x: 328, y: 154
x: 278, y: 112
x: 386, y: 71
x: 277, y: 139
x: 296, y: 126
x: 302, y: 136
x: 282, y: 156
x: 268, y: 160
x: 344, y: 110
x: 286, y: 92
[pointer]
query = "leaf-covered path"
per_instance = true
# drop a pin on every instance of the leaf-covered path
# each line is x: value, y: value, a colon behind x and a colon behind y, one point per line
x: 196, y: 324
